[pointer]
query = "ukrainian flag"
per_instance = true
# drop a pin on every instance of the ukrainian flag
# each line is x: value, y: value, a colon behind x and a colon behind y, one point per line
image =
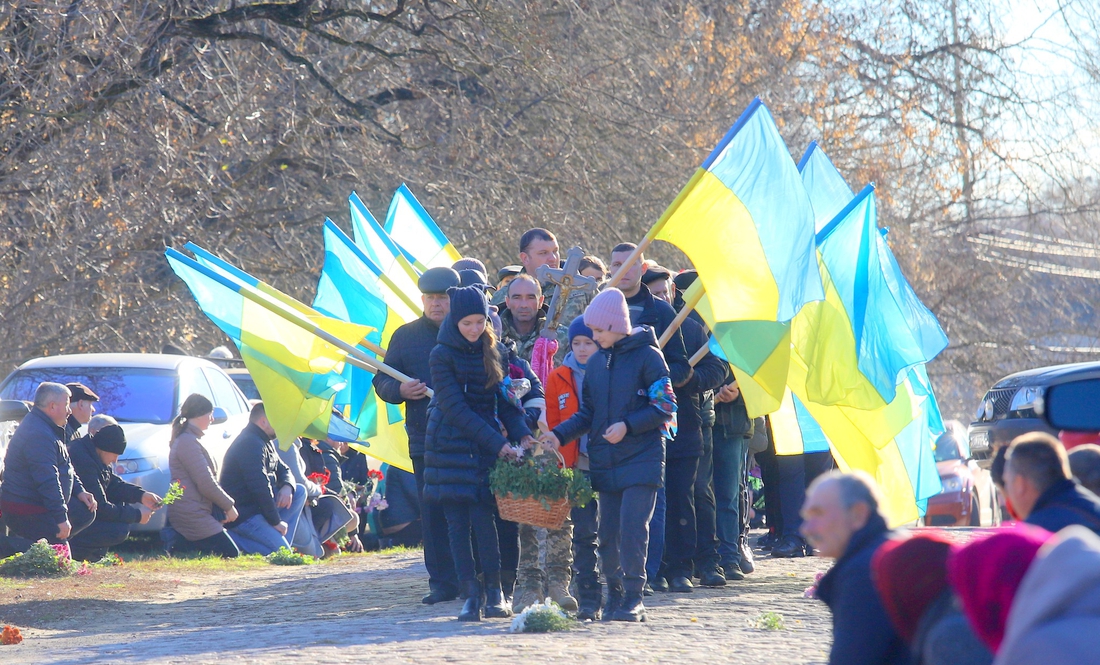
x: 296, y: 372
x: 349, y: 290
x: 382, y: 250
x: 415, y: 232
x: 745, y: 221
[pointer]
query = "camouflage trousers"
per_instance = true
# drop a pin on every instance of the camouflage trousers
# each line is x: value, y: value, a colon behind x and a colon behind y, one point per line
x: 545, y: 555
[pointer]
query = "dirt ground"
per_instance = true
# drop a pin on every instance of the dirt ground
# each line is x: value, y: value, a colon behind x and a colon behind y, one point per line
x: 367, y: 607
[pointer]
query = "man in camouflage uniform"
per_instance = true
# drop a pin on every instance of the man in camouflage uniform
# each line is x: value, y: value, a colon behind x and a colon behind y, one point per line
x: 524, y: 317
x: 539, y: 247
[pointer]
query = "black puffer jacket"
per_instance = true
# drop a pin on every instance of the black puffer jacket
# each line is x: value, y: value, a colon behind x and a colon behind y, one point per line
x: 645, y: 310
x: 111, y: 492
x: 463, y: 438
x: 710, y: 372
x: 615, y: 388
x: 37, y: 469
x: 408, y: 352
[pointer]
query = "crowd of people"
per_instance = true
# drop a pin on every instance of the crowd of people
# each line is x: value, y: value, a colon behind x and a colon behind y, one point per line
x: 62, y: 486
x: 630, y: 399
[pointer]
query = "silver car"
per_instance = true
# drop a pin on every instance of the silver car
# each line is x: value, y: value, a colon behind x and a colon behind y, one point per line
x: 143, y: 392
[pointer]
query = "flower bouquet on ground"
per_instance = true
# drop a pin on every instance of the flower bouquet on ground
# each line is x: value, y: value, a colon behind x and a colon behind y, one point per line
x: 41, y: 560
x: 544, y: 617
x: 538, y: 490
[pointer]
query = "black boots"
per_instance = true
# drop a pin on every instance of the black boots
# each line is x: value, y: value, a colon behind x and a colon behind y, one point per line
x: 471, y: 609
x: 632, y: 610
x: 589, y: 597
x: 495, y: 605
x: 439, y: 596
x: 615, y: 596
x: 713, y: 578
x: 680, y: 585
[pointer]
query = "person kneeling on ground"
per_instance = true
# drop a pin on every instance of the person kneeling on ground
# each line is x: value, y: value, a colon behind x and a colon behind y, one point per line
x: 93, y: 458
x: 42, y: 497
x: 269, y: 503
x: 841, y: 519
x: 198, y: 516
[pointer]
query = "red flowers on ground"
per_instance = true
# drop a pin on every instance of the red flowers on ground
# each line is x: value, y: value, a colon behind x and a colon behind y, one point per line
x: 11, y: 635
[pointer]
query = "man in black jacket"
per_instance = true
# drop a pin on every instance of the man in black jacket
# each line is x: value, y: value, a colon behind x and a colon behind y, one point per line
x: 42, y: 497
x: 842, y: 519
x: 268, y: 502
x: 408, y: 352
x: 93, y: 455
x: 1038, y: 483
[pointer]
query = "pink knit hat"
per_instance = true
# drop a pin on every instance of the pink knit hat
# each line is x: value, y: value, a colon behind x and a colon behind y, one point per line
x: 986, y: 573
x: 608, y: 311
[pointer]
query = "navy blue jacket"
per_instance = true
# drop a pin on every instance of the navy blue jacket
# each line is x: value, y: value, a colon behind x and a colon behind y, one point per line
x: 616, y: 382
x: 37, y: 469
x: 252, y: 473
x: 111, y: 492
x: 408, y: 352
x: 463, y: 438
x: 645, y: 310
x: 324, y: 457
x: 1063, y: 504
x: 710, y: 372
x: 862, y: 632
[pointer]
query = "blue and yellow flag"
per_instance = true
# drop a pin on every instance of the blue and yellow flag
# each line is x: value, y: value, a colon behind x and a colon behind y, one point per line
x: 349, y: 290
x: 395, y: 267
x: 745, y: 221
x: 296, y: 372
x: 416, y: 234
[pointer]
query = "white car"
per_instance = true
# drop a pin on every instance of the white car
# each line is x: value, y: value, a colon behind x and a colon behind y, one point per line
x: 143, y: 392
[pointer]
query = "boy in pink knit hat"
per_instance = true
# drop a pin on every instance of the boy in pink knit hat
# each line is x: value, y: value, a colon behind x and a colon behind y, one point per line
x: 627, y: 402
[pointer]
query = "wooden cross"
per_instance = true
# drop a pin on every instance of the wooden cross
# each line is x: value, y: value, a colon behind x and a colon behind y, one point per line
x: 566, y: 280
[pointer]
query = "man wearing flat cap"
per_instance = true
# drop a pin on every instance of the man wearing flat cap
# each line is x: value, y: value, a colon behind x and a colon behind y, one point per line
x: 94, y: 456
x: 408, y: 353
x: 659, y: 281
x: 82, y: 405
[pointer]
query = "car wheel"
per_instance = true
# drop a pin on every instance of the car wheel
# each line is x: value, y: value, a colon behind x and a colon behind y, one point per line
x: 975, y: 510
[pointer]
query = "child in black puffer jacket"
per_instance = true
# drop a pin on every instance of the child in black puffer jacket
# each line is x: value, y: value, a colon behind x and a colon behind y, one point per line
x: 464, y: 440
x: 627, y: 400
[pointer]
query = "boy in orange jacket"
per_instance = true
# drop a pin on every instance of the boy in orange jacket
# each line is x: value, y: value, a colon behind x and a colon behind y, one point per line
x: 563, y: 399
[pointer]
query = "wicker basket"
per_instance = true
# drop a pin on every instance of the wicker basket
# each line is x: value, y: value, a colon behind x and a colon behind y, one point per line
x: 530, y: 510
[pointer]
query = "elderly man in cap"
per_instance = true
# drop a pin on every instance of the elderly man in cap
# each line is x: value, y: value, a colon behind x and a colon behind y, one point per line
x: 842, y: 519
x: 42, y: 497
x: 507, y: 274
x: 81, y: 406
x: 94, y: 456
x: 408, y: 352
x: 659, y: 282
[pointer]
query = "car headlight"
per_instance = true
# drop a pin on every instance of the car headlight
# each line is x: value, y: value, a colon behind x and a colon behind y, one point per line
x: 951, y: 483
x: 1027, y: 398
x: 985, y: 410
x: 135, y: 465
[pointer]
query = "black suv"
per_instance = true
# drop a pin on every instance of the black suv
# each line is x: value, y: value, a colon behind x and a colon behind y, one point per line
x: 1014, y: 405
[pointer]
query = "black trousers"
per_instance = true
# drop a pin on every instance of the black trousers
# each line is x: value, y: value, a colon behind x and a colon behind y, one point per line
x: 769, y: 474
x: 585, y: 525
x: 624, y: 536
x: 92, y: 543
x: 437, y: 548
x: 479, y: 521
x: 220, y: 544
x: 796, y: 472
x: 680, y: 532
x: 37, y: 527
x: 508, y: 544
x: 706, y: 516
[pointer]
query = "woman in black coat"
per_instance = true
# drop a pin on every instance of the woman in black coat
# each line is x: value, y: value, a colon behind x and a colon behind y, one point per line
x: 464, y: 440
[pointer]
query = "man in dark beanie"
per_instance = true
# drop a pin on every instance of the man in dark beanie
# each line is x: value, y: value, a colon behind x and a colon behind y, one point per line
x: 82, y: 405
x: 408, y: 352
x: 94, y: 456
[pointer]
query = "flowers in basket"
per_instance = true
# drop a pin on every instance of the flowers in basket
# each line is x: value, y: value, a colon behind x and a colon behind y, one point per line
x: 545, y: 617
x: 540, y: 477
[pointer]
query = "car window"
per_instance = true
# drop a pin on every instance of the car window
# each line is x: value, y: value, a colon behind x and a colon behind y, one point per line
x: 224, y: 394
x: 192, y: 380
x: 129, y: 394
